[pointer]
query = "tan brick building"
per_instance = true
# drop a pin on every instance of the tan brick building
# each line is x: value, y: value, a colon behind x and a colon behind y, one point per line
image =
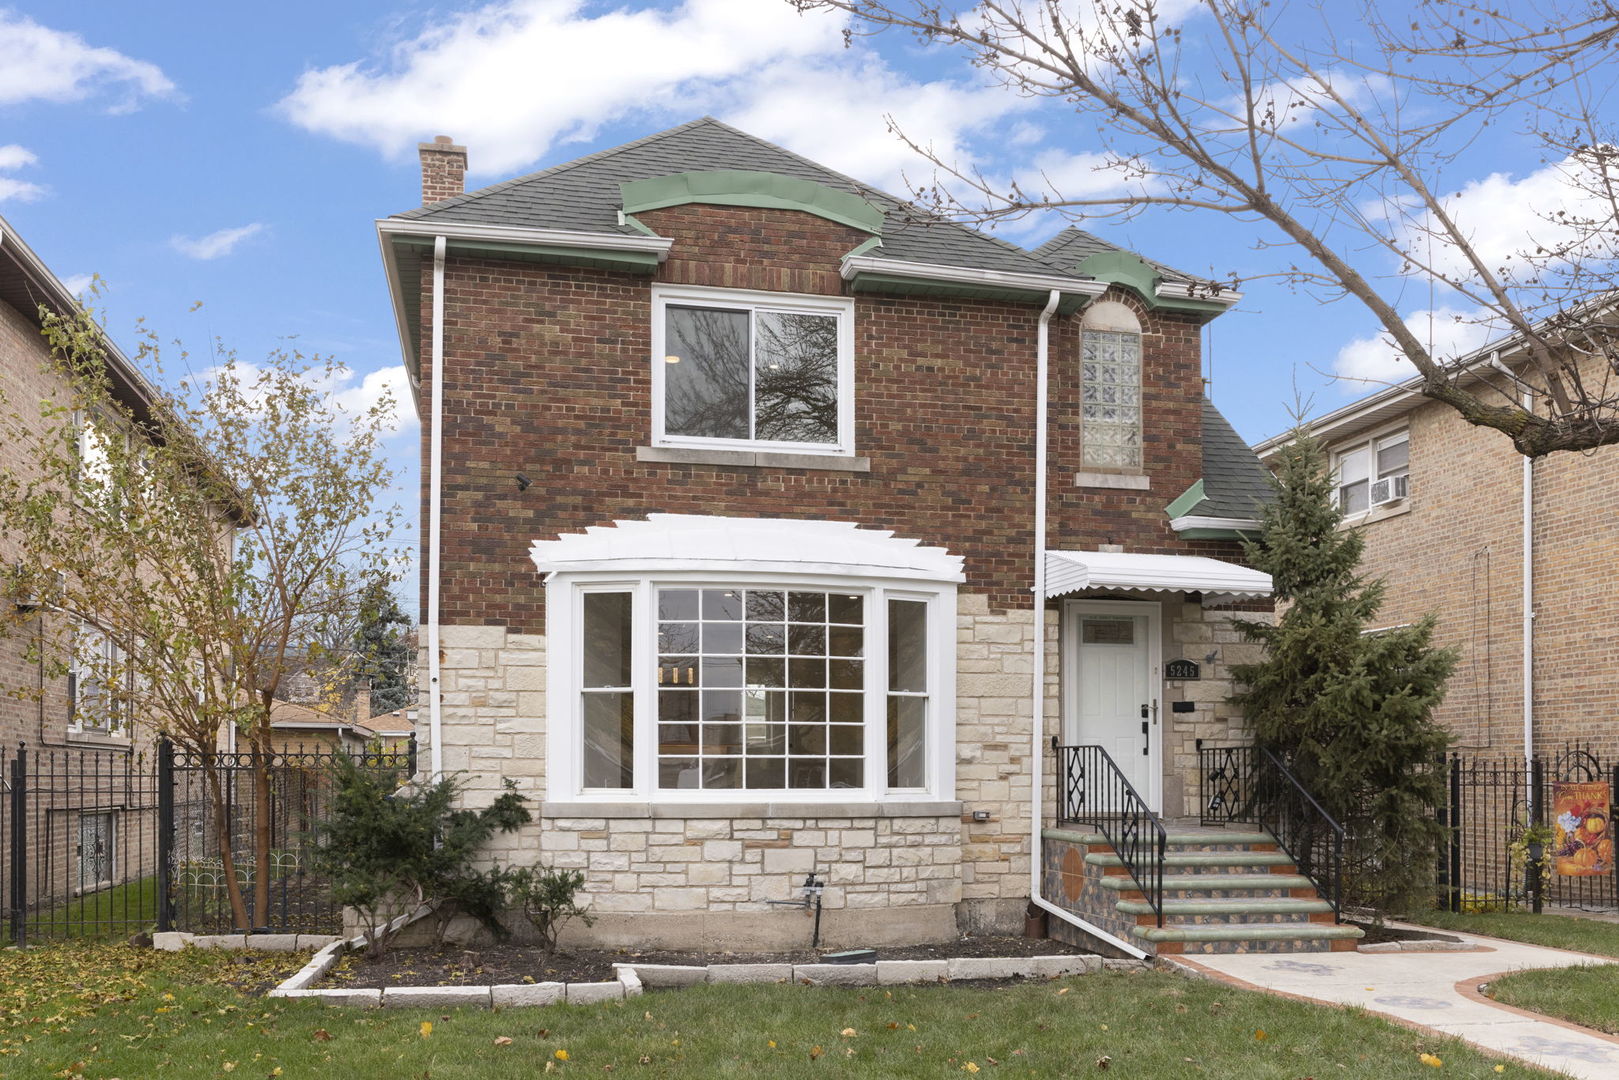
x: 732, y: 512
x: 1447, y: 509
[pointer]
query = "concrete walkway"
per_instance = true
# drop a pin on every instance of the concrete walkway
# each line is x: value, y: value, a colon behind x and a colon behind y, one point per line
x: 1434, y: 990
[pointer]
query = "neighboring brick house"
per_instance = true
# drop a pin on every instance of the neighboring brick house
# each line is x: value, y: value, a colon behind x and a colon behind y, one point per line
x: 88, y: 829
x: 1445, y: 508
x: 41, y: 711
x: 730, y: 511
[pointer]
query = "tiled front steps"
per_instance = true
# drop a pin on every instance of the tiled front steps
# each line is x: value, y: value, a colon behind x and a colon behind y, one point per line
x: 1224, y: 892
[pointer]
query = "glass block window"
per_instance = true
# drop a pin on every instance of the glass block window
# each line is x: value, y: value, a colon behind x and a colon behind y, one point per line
x: 760, y: 688
x: 1110, y: 399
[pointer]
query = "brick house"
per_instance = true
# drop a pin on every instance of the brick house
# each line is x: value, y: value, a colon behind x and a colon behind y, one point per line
x: 733, y: 503
x: 88, y: 830
x: 1503, y: 549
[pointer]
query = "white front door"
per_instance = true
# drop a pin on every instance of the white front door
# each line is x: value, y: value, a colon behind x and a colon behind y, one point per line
x: 1111, y: 687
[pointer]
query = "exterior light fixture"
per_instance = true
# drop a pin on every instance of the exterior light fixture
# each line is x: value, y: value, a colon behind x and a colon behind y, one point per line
x: 671, y: 359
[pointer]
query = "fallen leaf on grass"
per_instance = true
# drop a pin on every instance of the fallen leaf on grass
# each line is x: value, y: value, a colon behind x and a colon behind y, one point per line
x: 427, y: 1029
x: 1063, y: 991
x: 561, y: 1055
x: 1260, y: 1035
x: 848, y: 1032
x: 1433, y: 1061
x: 503, y: 1040
x: 815, y: 1052
x: 771, y: 1043
x: 322, y: 1035
x: 970, y: 1067
x: 893, y: 1025
x: 1103, y: 1062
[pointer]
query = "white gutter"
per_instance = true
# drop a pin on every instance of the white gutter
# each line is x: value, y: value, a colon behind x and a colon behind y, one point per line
x: 1194, y: 521
x: 520, y: 234
x: 854, y: 265
x: 435, y: 477
x: 1037, y: 689
x: 1187, y: 290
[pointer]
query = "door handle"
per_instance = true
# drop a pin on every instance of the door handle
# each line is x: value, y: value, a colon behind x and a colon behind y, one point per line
x: 1146, y: 741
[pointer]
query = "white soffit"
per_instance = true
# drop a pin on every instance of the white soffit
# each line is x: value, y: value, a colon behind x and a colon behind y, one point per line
x: 674, y: 542
x: 1076, y: 571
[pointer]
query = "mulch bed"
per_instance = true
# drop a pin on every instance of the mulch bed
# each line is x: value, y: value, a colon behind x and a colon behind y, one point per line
x: 1376, y: 935
x: 505, y: 963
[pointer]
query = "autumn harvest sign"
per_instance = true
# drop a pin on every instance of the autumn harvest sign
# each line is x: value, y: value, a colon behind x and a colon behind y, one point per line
x: 1584, y: 843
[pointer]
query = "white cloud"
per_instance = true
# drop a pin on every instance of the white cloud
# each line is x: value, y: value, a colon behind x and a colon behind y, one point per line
x: 513, y: 78
x: 358, y: 398
x: 846, y: 127
x: 12, y: 157
x: 215, y: 244
x: 1542, y: 220
x: 1449, y: 334
x: 78, y: 284
x: 54, y: 65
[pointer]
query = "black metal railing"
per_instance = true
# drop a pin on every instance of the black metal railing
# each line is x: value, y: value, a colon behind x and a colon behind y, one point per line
x: 101, y: 843
x: 1091, y: 790
x: 1250, y: 785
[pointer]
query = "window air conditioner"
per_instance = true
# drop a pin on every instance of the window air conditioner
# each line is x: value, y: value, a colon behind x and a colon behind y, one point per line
x: 1390, y: 489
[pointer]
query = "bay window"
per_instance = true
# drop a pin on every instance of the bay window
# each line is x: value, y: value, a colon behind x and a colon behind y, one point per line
x: 737, y: 369
x: 694, y: 687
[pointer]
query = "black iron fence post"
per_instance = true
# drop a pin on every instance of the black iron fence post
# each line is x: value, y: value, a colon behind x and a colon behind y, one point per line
x: 1533, y: 878
x: 1454, y: 852
x: 165, y: 836
x: 19, y: 847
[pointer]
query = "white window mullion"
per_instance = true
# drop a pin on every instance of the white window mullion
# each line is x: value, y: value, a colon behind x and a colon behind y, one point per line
x: 877, y: 694
x: 644, y: 657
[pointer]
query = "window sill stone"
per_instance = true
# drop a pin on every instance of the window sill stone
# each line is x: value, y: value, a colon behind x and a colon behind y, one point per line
x: 1124, y: 481
x: 783, y: 809
x: 672, y: 455
x: 1380, y: 513
x: 92, y: 738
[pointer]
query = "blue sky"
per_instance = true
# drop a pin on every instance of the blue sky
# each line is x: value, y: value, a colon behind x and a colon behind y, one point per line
x: 230, y: 155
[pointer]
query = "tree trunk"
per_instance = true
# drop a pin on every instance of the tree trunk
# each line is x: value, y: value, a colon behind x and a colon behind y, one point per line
x: 222, y: 837
x: 263, y: 835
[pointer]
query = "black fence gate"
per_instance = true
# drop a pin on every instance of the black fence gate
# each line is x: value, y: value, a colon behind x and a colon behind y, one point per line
x: 1503, y: 852
x: 109, y: 843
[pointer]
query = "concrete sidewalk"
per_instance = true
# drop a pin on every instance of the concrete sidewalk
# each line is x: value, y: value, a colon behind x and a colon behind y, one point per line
x: 1435, y: 990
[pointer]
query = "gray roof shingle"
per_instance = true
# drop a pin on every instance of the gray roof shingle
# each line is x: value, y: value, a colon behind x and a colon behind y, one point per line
x: 1073, y: 246
x: 583, y: 195
x: 1235, y: 484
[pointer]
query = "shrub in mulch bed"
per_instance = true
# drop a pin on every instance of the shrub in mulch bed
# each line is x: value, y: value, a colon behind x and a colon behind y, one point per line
x: 507, y: 963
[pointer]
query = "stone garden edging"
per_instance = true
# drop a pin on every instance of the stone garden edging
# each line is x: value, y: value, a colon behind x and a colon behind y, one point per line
x: 633, y: 979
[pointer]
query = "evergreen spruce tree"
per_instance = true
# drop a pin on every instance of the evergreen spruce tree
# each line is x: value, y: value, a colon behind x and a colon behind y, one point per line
x: 1350, y: 712
x: 382, y: 643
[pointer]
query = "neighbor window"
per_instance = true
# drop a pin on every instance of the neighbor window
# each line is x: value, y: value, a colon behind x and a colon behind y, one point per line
x: 95, y: 678
x: 1110, y: 387
x: 765, y: 370
x: 1373, y: 472
x: 807, y: 687
x: 97, y: 840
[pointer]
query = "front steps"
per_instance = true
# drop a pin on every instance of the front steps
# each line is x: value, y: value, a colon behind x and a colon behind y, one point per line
x: 1224, y: 892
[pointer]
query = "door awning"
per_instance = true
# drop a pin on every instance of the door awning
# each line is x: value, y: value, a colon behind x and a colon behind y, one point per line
x: 1077, y: 571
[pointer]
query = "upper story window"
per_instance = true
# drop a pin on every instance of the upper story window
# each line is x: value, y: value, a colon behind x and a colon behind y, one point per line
x: 734, y: 369
x: 1373, y: 472
x: 1110, y: 387
x: 95, y: 678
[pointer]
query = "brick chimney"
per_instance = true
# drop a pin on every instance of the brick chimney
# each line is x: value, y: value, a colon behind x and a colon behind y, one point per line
x: 444, y: 169
x: 362, y: 702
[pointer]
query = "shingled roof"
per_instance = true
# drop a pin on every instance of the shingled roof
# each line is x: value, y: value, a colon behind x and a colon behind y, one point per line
x: 583, y: 195
x: 1074, y: 245
x: 1235, y: 484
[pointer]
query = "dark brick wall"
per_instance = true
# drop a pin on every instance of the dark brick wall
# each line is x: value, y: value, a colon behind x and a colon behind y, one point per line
x: 547, y: 373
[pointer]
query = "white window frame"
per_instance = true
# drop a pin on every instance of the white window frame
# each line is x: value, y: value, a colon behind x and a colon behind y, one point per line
x: 1368, y: 446
x: 839, y: 307
x: 111, y: 664
x: 565, y: 614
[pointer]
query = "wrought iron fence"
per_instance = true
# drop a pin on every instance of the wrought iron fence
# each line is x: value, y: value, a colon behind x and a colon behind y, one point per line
x: 1492, y: 804
x: 1251, y: 785
x: 1091, y: 790
x: 112, y: 843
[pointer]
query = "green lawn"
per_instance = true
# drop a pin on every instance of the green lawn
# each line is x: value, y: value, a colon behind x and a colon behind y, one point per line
x: 1556, y: 931
x: 1588, y: 996
x: 99, y: 1011
x: 131, y: 908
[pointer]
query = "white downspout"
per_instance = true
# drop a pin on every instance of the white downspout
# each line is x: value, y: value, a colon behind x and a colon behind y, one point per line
x: 435, y: 479
x: 1037, y: 690
x: 1529, y: 614
x: 1527, y: 572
